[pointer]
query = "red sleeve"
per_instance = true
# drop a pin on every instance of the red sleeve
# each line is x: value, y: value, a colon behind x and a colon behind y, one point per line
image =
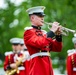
x: 30, y: 38
x: 69, y: 65
x: 6, y: 62
x: 56, y: 46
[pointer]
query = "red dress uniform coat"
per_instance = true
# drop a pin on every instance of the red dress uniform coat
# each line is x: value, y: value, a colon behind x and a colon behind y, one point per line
x: 71, y: 62
x: 36, y: 42
x: 26, y: 62
x: 12, y: 58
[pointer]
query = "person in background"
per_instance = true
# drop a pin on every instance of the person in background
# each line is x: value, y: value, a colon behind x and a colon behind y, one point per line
x: 71, y: 59
x: 13, y: 58
x: 27, y: 56
x: 40, y: 44
x: 23, y: 47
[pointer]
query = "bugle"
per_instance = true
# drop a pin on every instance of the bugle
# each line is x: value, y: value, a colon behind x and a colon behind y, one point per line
x: 65, y: 30
x: 13, y: 71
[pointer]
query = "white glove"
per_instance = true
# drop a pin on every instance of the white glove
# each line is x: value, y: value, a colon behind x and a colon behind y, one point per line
x: 56, y: 28
x: 13, y: 65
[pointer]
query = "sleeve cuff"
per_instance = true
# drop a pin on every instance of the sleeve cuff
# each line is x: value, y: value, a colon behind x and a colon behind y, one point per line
x: 8, y: 67
x: 50, y: 34
x: 59, y: 38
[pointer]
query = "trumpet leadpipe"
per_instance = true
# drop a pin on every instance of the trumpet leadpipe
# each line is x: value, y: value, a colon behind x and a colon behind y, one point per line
x: 48, y: 23
x: 63, y: 28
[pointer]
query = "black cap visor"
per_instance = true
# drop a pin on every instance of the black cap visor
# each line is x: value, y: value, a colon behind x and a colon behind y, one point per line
x: 15, y: 43
x: 21, y: 44
x: 41, y: 14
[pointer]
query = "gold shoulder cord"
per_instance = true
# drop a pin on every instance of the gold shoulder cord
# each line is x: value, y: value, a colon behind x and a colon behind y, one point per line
x: 73, y: 60
x: 9, y: 59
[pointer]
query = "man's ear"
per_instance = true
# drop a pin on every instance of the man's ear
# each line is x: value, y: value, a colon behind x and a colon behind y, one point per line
x: 32, y: 17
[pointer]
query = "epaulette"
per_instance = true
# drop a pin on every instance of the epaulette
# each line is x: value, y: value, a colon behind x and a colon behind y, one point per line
x: 44, y: 31
x: 27, y: 28
x: 8, y: 53
x: 71, y: 51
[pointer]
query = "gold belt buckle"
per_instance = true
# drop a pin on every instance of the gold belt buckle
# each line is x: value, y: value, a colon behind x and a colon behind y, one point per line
x: 48, y: 53
x: 40, y: 55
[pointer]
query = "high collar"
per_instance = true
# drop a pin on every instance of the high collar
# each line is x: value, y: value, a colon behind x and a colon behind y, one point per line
x: 36, y: 27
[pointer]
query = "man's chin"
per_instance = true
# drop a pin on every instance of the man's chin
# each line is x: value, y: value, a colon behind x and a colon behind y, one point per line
x: 41, y: 24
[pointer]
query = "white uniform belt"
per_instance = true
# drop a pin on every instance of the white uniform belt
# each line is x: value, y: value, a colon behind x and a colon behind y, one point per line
x: 21, y: 68
x: 40, y: 54
x: 74, y: 69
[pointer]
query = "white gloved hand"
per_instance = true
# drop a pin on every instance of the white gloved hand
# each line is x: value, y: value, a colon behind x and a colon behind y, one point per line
x: 13, y: 65
x: 55, y: 26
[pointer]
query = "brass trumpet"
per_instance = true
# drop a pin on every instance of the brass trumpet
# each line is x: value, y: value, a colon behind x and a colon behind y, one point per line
x: 13, y: 71
x: 65, y: 30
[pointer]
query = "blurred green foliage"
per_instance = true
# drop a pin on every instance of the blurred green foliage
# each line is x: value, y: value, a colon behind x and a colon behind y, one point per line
x: 13, y: 20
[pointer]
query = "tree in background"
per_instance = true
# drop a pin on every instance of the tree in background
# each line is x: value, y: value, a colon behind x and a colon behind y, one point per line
x: 13, y: 19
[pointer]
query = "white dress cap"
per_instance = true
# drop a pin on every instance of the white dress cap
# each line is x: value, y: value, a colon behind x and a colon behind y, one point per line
x: 75, y: 35
x: 74, y: 39
x: 22, y: 41
x: 35, y: 9
x: 15, y: 40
